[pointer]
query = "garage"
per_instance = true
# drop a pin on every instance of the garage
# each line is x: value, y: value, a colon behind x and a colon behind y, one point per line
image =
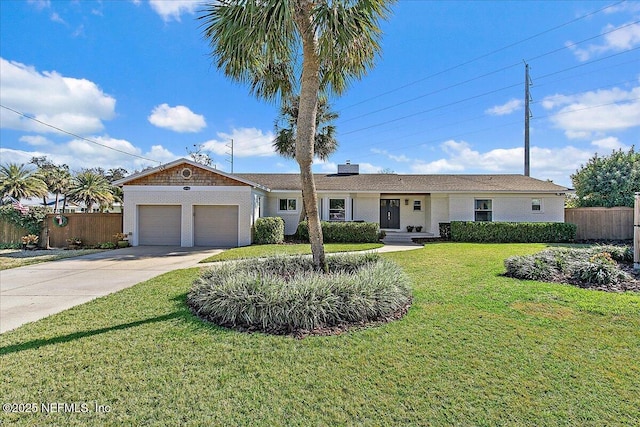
x: 215, y: 226
x: 159, y: 225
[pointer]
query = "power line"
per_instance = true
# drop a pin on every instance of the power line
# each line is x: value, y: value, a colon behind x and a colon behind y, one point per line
x: 76, y: 135
x: 484, y: 55
x: 483, y: 94
x: 568, y: 46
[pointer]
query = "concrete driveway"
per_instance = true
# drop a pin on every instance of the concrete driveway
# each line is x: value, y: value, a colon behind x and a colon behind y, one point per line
x: 33, y: 292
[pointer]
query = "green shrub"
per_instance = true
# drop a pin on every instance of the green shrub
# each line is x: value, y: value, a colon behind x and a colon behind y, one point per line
x: 512, y: 232
x: 284, y: 294
x: 445, y: 230
x: 107, y: 245
x: 344, y: 232
x: 596, y: 265
x: 269, y: 230
x: 31, y: 220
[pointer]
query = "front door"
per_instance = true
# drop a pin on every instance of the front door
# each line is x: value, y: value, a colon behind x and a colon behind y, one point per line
x: 390, y: 213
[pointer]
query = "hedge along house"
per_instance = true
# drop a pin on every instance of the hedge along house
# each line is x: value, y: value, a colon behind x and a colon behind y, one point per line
x: 187, y: 204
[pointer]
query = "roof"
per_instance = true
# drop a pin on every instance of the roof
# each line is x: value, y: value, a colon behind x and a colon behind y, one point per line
x: 177, y: 162
x: 395, y: 183
x: 378, y: 183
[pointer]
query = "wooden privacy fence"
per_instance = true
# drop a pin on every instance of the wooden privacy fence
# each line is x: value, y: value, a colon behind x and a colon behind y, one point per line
x: 91, y: 228
x: 10, y: 233
x: 601, y: 223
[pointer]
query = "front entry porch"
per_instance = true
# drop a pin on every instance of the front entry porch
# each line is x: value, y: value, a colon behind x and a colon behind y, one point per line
x: 402, y: 237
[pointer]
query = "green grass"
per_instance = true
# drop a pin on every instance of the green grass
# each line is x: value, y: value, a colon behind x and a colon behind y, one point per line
x: 257, y: 251
x: 19, y: 258
x: 475, y: 349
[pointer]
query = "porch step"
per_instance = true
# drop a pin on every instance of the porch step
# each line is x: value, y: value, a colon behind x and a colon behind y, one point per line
x: 403, y: 237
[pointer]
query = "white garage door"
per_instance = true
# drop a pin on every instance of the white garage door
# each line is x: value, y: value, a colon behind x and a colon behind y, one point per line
x: 159, y: 225
x: 215, y: 226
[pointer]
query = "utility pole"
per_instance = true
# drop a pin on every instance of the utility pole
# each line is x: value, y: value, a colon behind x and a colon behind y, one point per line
x: 230, y: 146
x: 527, y: 116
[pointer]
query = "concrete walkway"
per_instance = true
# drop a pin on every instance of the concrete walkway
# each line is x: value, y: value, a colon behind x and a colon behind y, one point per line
x: 33, y: 292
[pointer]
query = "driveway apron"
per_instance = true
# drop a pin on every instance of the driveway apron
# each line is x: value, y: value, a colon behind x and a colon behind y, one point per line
x: 33, y: 292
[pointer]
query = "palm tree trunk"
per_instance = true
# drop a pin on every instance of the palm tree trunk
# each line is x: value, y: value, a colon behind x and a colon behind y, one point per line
x: 306, y: 123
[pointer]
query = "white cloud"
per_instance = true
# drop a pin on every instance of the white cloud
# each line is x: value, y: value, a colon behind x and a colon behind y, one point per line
x: 36, y: 140
x: 401, y: 158
x: 247, y: 142
x: 79, y: 154
x: 178, y: 119
x: 172, y: 10
x: 40, y: 4
x: 609, y: 143
x: 604, y: 110
x: 506, y: 108
x: 55, y: 17
x: 75, y: 105
x: 546, y: 163
x: 623, y: 38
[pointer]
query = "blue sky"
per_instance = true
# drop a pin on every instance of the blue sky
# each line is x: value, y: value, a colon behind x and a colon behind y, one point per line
x: 446, y: 94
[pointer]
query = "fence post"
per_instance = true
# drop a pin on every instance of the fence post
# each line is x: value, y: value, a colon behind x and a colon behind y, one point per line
x: 636, y: 233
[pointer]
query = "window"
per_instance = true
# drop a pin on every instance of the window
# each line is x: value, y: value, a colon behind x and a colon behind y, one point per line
x: 288, y: 204
x: 483, y: 210
x: 536, y: 205
x: 417, y: 205
x: 336, y: 210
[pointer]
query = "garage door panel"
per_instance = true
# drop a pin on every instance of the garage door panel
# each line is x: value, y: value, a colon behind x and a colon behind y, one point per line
x: 216, y: 226
x: 159, y: 225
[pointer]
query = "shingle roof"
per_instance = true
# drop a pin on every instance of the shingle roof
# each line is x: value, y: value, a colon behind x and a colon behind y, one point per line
x: 409, y: 183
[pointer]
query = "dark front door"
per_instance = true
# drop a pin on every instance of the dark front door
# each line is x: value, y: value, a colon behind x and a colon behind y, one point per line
x: 390, y: 213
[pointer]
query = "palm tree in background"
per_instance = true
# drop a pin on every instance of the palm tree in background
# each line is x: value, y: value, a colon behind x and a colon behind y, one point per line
x: 324, y: 143
x: 279, y: 46
x: 19, y: 182
x: 58, y: 182
x: 91, y: 188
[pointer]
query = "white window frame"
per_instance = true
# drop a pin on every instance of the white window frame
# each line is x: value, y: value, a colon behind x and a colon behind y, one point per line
x: 334, y: 212
x: 539, y: 204
x: 418, y: 204
x: 477, y: 210
x: 288, y: 201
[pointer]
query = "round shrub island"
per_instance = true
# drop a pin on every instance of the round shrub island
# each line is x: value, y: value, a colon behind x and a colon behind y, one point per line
x: 284, y: 295
x: 605, y: 268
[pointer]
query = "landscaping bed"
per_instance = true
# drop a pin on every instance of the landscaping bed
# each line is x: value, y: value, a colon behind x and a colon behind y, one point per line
x: 284, y: 295
x: 604, y: 268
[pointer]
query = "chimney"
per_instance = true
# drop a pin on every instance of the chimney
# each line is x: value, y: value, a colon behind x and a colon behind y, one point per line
x: 349, y: 169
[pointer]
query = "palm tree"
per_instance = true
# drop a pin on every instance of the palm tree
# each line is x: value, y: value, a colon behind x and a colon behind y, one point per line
x: 325, y: 142
x: 261, y: 42
x: 18, y: 182
x: 90, y: 188
x: 59, y: 180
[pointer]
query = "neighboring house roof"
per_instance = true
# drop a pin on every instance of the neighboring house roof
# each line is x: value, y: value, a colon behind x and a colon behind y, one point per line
x: 394, y: 183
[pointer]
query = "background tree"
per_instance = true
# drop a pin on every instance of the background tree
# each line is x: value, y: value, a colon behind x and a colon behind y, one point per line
x: 19, y: 182
x: 608, y: 181
x: 325, y: 142
x: 57, y: 178
x: 198, y: 156
x: 277, y: 46
x: 91, y: 188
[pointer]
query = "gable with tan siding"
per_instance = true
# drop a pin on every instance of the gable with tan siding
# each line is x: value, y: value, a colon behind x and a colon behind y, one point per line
x: 174, y: 176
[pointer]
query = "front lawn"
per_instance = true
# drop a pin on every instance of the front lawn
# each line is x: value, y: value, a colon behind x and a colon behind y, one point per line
x: 287, y: 249
x: 12, y: 258
x: 476, y: 348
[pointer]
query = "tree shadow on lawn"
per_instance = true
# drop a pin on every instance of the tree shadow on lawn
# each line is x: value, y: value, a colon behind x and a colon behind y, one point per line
x: 182, y: 312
